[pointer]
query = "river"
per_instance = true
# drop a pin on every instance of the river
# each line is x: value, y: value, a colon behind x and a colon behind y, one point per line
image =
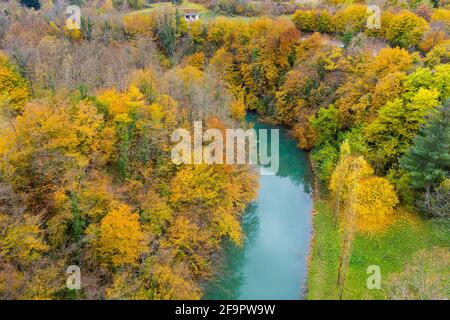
x: 277, y: 226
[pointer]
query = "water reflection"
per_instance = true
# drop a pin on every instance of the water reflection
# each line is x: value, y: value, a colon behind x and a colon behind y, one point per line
x: 228, y: 283
x: 271, y: 264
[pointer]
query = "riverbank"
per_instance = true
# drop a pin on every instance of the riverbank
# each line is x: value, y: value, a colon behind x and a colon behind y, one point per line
x: 391, y: 251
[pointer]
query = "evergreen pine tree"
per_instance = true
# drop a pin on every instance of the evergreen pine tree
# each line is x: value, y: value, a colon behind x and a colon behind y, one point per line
x: 428, y: 159
x: 31, y: 4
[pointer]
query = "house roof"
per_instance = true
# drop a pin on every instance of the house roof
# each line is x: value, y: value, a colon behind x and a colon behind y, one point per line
x: 190, y: 11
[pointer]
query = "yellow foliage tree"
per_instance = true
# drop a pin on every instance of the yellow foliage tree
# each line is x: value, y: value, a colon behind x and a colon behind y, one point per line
x: 305, y: 20
x: 43, y: 149
x: 146, y: 82
x: 14, y: 90
x: 107, y: 5
x: 351, y: 18
x: 121, y: 240
x: 360, y: 96
x: 156, y: 213
x: 158, y: 279
x: 237, y: 108
x: 120, y: 104
x: 356, y: 170
x: 72, y: 34
x: 45, y: 281
x: 222, y: 61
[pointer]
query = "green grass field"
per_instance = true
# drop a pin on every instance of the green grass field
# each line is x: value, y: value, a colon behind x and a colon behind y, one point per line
x: 391, y: 251
x: 204, y: 13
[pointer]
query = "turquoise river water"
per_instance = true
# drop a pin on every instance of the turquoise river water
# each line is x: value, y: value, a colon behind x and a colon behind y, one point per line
x: 272, y: 262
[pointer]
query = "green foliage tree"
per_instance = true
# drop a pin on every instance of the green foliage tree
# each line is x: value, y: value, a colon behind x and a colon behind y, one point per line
x: 391, y: 134
x: 14, y: 90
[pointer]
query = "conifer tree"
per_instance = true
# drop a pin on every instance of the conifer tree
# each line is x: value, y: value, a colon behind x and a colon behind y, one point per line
x: 428, y: 159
